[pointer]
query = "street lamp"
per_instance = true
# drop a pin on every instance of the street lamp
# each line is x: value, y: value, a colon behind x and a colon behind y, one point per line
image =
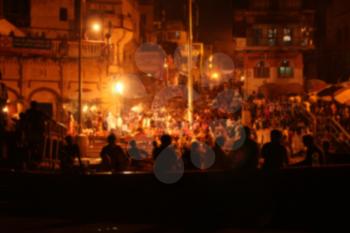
x: 118, y: 88
x: 215, y: 76
x: 5, y: 109
x: 96, y: 27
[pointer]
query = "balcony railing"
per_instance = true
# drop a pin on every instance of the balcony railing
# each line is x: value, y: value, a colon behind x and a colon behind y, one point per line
x: 71, y: 49
x: 268, y: 42
x: 54, y: 48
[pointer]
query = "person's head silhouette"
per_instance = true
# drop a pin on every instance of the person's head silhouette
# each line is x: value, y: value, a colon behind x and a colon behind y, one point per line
x: 111, y: 139
x: 166, y: 140
x: 133, y: 143
x: 220, y: 141
x: 69, y: 140
x: 247, y: 132
x: 33, y: 105
x: 276, y: 136
x: 308, y: 141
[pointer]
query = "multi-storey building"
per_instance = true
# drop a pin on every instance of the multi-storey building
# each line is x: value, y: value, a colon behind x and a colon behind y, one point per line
x: 41, y: 62
x: 335, y: 61
x: 272, y: 38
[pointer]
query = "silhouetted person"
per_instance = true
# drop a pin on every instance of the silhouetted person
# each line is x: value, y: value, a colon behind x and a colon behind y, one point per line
x: 154, y: 149
x: 69, y: 152
x: 113, y: 156
x: 166, y: 141
x: 195, y: 155
x: 221, y: 160
x: 166, y: 159
x: 245, y: 157
x: 35, y: 129
x: 136, y: 153
x: 274, y: 153
x: 21, y: 142
x: 314, y: 155
x: 327, y: 153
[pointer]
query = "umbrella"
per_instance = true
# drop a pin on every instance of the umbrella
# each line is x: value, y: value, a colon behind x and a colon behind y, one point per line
x: 329, y: 91
x: 343, y: 95
x: 315, y: 85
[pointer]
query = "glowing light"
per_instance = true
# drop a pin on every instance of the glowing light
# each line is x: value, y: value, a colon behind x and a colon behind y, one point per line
x: 137, y: 108
x: 93, y: 108
x: 149, y: 75
x: 85, y: 108
x: 242, y: 78
x: 96, y: 27
x: 215, y: 75
x: 166, y: 65
x: 5, y: 109
x: 118, y: 88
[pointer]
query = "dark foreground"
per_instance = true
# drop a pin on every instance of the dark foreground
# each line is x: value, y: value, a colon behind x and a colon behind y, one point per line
x: 299, y: 200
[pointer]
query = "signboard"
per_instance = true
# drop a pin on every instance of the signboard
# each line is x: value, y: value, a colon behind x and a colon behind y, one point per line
x: 25, y: 45
x: 31, y: 43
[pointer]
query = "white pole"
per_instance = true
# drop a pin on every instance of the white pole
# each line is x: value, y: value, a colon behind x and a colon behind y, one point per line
x: 190, y: 77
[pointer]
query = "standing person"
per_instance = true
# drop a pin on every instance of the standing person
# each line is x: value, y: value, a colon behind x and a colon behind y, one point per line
x: 245, y: 158
x: 314, y: 155
x: 21, y: 142
x: 70, y: 151
x: 274, y: 153
x: 221, y: 160
x: 166, y: 141
x: 71, y: 124
x: 113, y: 156
x: 35, y: 130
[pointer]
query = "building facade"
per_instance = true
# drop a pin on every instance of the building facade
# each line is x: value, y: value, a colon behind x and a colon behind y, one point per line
x: 272, y: 37
x: 335, y: 61
x: 42, y: 64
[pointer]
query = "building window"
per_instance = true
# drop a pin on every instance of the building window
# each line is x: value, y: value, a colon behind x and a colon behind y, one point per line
x: 287, y: 36
x: 261, y: 70
x: 285, y: 70
x: 261, y: 4
x: 290, y: 4
x: 272, y: 36
x: 256, y: 36
x: 63, y: 14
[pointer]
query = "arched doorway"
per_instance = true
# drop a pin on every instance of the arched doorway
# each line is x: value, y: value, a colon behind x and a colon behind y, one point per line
x: 48, y: 101
x: 14, y: 103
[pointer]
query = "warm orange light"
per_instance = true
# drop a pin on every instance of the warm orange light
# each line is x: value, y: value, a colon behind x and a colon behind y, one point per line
x: 85, y: 108
x: 215, y: 75
x: 96, y: 27
x: 118, y: 88
x: 5, y: 109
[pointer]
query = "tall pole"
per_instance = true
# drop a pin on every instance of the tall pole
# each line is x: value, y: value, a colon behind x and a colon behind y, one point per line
x: 80, y: 79
x: 189, y: 68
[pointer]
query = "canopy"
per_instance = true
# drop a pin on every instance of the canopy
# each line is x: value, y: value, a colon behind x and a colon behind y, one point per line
x: 315, y: 85
x: 329, y: 91
x: 343, y: 96
x: 6, y: 28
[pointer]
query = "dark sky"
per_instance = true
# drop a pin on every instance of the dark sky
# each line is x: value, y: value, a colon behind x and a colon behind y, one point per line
x: 215, y: 16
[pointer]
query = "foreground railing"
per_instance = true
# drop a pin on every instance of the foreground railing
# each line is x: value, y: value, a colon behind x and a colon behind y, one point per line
x: 53, y: 140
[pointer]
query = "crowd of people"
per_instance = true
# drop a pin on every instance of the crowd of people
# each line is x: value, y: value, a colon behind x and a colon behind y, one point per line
x: 228, y: 132
x: 247, y: 157
x: 23, y: 138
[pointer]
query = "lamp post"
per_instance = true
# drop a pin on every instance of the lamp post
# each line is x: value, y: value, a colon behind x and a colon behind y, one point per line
x: 80, y: 79
x: 189, y: 60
